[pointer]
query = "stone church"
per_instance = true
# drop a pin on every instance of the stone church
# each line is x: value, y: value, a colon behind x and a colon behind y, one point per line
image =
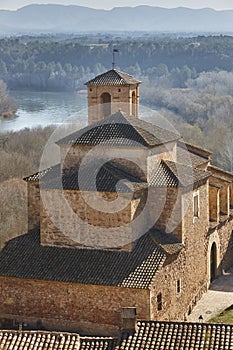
x: 133, y: 220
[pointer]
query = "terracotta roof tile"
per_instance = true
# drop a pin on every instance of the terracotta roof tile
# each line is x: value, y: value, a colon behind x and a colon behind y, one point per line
x: 221, y: 173
x: 169, y: 243
x: 97, y: 343
x: 171, y: 174
x: 113, y: 77
x: 39, y: 175
x: 108, y: 178
x: 186, y: 155
x: 134, y: 269
x: 150, y: 335
x: 37, y: 340
x: 111, y: 178
x: 196, y: 149
x: 163, y: 177
x: 187, y: 175
x: 178, y: 335
x: 123, y: 130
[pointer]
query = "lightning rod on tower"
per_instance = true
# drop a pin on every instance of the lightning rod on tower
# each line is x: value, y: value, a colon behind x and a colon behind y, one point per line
x: 113, y: 57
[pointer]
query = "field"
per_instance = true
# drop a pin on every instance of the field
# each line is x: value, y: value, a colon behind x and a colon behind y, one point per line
x: 225, y: 316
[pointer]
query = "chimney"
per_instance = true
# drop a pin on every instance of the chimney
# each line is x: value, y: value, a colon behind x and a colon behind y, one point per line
x: 129, y: 319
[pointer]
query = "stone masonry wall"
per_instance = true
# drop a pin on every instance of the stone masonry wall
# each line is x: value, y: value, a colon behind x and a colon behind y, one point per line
x: 86, y: 309
x: 139, y: 161
x: 33, y: 204
x: 121, y: 99
x: 195, y: 239
x: 190, y: 268
x: 214, y: 203
x: 130, y: 159
x: 165, y: 209
x: 71, y: 218
x: 224, y: 231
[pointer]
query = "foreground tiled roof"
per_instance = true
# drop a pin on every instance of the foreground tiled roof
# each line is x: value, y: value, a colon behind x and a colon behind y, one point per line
x: 38, y: 340
x: 134, y: 269
x: 120, y: 129
x: 178, y: 336
x: 170, y: 174
x: 97, y: 343
x: 150, y: 335
x: 113, y: 77
x: 44, y: 340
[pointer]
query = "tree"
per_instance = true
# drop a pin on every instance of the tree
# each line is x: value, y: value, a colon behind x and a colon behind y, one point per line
x: 3, y: 69
x: 8, y: 105
x: 226, y: 155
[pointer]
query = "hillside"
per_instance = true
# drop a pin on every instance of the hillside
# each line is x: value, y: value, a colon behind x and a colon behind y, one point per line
x: 60, y: 18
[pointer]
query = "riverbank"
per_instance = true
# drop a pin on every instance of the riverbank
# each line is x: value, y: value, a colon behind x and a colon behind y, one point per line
x: 8, y: 115
x: 43, y: 109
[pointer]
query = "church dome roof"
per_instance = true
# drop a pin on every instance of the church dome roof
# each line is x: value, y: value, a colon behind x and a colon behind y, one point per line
x: 121, y: 129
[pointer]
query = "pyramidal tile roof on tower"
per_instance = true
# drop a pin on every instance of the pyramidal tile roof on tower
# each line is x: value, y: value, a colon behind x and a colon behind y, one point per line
x: 120, y: 129
x: 113, y: 77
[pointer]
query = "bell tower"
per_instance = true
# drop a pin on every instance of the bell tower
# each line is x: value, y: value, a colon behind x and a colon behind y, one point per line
x: 110, y: 92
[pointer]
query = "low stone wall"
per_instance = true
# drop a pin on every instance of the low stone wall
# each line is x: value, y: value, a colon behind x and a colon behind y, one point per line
x: 86, y: 309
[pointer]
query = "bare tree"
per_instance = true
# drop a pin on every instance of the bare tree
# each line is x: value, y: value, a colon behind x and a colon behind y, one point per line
x: 227, y: 153
x: 8, y: 105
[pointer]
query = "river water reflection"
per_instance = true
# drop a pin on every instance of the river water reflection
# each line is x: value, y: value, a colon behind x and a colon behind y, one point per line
x: 60, y: 108
x: 45, y: 108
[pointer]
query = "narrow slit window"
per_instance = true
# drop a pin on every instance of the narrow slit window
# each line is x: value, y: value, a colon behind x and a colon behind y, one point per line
x: 159, y: 302
x: 196, y: 206
x: 178, y: 286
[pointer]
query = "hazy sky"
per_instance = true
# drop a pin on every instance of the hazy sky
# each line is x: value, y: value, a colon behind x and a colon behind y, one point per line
x: 107, y: 4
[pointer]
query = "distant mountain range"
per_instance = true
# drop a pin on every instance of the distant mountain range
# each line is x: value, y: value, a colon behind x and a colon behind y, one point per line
x: 64, y: 19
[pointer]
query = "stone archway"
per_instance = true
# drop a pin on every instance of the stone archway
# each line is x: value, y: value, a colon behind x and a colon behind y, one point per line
x: 213, y: 258
x: 213, y: 262
x: 105, y: 100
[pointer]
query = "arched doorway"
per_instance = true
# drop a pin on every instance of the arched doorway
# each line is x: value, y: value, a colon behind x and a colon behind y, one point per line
x: 105, y: 100
x: 213, y: 262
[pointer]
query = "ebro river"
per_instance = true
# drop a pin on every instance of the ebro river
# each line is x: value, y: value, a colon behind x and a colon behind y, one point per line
x: 45, y: 108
